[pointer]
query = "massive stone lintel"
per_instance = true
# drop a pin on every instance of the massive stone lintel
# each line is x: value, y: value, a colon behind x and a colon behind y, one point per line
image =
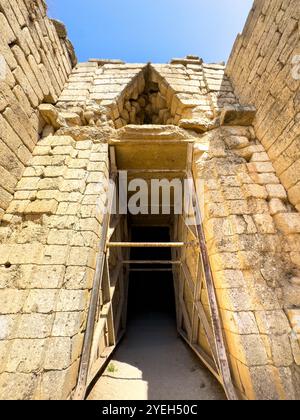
x: 150, y: 132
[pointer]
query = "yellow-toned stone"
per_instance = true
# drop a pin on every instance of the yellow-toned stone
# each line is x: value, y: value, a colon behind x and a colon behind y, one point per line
x: 256, y: 191
x: 277, y: 206
x: 41, y: 207
x: 264, y: 223
x: 276, y: 191
x: 288, y: 222
x: 261, y: 167
x: 294, y: 317
x: 56, y: 254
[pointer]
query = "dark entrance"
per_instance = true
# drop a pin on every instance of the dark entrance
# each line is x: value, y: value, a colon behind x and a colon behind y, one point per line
x: 151, y: 292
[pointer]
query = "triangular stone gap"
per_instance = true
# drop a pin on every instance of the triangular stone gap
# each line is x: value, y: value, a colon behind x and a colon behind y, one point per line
x: 187, y: 93
x: 157, y: 103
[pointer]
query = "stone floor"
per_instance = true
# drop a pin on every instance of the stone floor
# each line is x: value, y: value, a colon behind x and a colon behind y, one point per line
x: 153, y: 363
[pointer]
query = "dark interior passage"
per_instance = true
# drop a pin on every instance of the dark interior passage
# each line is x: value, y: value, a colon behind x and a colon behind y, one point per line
x: 151, y: 292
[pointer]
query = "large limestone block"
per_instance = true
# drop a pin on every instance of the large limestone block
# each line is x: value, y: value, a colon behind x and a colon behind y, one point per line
x: 50, y: 114
x: 57, y: 385
x: 17, y: 386
x: 42, y: 207
x: 238, y: 115
x: 59, y: 354
x: 12, y: 300
x: 26, y: 356
x: 6, y: 30
x: 288, y: 222
x: 40, y: 301
x: 67, y: 324
x: 294, y: 194
x: 33, y: 326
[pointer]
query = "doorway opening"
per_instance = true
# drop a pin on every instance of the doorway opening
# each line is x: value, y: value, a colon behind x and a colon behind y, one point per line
x: 138, y: 317
x: 151, y: 289
x: 152, y: 362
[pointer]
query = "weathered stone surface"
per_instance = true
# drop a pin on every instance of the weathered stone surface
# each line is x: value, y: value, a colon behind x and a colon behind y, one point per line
x: 238, y: 115
x: 38, y: 65
x: 200, y: 125
x: 18, y: 356
x: 67, y: 324
x: 55, y: 384
x: 262, y: 72
x: 12, y: 301
x: 236, y: 142
x: 40, y: 301
x: 277, y: 206
x: 49, y: 114
x: 60, y: 28
x: 47, y: 262
x: 246, y: 270
x: 294, y: 317
x: 288, y: 222
x: 17, y: 386
x: 59, y: 354
x: 33, y: 326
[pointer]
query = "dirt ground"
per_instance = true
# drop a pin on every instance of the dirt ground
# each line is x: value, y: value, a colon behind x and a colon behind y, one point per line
x: 153, y: 363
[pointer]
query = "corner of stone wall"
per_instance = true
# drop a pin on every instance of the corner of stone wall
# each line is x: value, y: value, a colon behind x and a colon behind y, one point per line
x: 252, y: 234
x: 264, y: 70
x: 35, y: 63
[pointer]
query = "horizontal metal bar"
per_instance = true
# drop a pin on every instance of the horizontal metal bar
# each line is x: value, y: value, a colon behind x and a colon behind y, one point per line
x: 153, y: 262
x: 146, y: 244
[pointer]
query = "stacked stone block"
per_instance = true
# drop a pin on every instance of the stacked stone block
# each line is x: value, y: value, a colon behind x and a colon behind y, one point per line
x: 219, y: 86
x: 175, y: 93
x: 264, y: 70
x: 252, y: 235
x: 48, y: 245
x: 37, y: 62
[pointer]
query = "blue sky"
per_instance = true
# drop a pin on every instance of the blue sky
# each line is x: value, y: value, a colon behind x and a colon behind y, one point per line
x: 152, y: 30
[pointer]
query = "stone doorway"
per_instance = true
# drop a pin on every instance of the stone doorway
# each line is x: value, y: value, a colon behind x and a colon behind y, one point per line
x: 157, y: 237
x: 152, y: 362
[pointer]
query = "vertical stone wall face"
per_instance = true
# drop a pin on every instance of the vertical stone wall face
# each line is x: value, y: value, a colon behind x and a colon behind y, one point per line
x: 264, y: 69
x: 253, y: 241
x: 36, y: 59
x: 49, y: 239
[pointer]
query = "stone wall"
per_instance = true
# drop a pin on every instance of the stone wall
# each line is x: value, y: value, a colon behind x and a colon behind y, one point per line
x: 49, y: 239
x: 189, y: 93
x: 253, y: 242
x: 36, y: 59
x: 264, y: 70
